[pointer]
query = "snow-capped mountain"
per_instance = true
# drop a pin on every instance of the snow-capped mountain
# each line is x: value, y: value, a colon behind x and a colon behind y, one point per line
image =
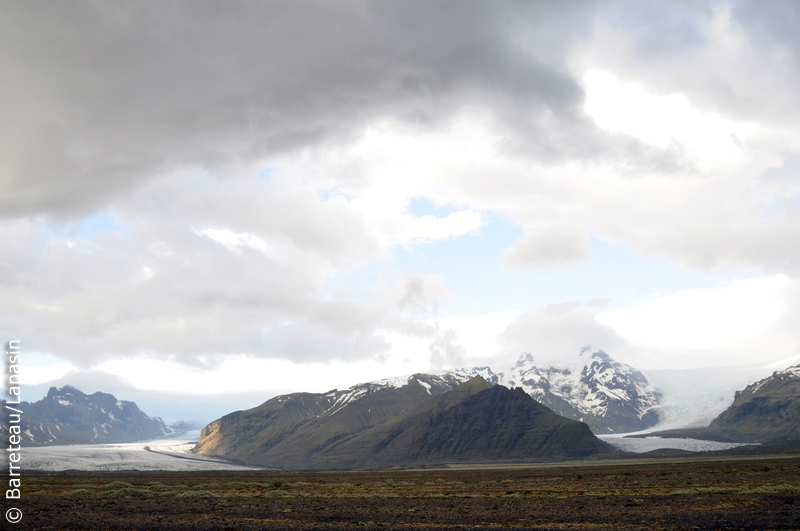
x: 69, y: 416
x: 609, y: 396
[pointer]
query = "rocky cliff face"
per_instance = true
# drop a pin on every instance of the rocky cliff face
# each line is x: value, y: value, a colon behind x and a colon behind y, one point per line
x: 766, y: 411
x: 609, y: 396
x: 68, y: 416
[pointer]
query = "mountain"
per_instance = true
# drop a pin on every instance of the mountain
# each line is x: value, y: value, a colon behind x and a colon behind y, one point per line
x: 286, y: 431
x: 68, y: 416
x: 766, y: 411
x: 470, y: 422
x: 290, y: 431
x: 475, y: 422
x: 609, y: 396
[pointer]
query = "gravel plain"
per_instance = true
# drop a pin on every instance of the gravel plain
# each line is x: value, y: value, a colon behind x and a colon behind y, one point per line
x: 741, y: 494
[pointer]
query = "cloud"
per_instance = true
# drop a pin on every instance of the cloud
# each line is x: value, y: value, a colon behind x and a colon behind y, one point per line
x: 445, y: 351
x: 232, y: 241
x: 108, y: 97
x: 550, y: 246
x: 173, y: 289
x: 726, y: 55
x: 663, y: 119
x: 703, y: 318
x: 747, y: 323
x: 559, y: 332
x: 250, y: 156
x: 599, y: 303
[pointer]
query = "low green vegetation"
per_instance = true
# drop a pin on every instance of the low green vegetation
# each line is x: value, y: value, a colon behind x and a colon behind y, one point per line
x: 197, y: 494
x: 637, y: 482
x: 128, y: 492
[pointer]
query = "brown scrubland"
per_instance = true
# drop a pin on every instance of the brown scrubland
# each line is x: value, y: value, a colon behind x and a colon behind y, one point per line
x: 733, y: 494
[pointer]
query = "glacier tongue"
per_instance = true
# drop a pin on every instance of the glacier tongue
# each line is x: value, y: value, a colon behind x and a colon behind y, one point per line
x: 694, y: 397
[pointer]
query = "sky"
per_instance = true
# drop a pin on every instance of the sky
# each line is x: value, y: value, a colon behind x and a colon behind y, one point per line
x: 204, y: 200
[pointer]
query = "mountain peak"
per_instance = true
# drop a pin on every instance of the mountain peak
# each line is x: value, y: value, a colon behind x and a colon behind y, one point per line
x: 608, y: 395
x: 792, y: 372
x: 457, y: 394
x: 67, y: 390
x: 476, y: 382
x: 600, y: 354
x: 69, y: 416
x: 526, y: 358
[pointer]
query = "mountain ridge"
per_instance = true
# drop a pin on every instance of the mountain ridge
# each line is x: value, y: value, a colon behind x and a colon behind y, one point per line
x: 607, y: 395
x: 273, y: 431
x: 472, y: 422
x: 66, y: 415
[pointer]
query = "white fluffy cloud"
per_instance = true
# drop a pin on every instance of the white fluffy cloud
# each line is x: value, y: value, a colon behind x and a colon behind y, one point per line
x: 749, y: 322
x: 172, y: 287
x: 663, y: 120
x: 561, y: 331
x: 746, y: 323
x: 704, y: 318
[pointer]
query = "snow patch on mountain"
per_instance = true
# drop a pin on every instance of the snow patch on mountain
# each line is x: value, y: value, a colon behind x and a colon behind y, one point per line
x: 791, y: 371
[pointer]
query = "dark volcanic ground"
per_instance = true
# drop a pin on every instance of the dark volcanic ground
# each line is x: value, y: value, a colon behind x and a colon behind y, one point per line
x: 751, y: 494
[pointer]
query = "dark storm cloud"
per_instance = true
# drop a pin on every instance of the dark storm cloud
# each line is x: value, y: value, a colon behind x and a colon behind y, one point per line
x: 101, y: 96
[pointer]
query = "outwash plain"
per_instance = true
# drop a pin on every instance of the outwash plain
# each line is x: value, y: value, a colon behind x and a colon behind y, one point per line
x: 744, y: 493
